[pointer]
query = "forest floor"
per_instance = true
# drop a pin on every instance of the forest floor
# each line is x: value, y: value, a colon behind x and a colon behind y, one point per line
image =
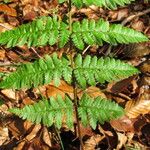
x: 130, y: 132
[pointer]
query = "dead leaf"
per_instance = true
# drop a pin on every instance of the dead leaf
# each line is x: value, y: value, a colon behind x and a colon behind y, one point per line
x: 11, y: 94
x: 123, y: 124
x: 8, y: 10
x: 34, y: 132
x: 47, y: 137
x: 92, y: 142
x: 122, y: 140
x: 18, y: 127
x: 138, y: 25
x: 64, y: 88
x: 3, y: 135
x: 135, y: 108
x: 2, y: 54
x: 120, y: 86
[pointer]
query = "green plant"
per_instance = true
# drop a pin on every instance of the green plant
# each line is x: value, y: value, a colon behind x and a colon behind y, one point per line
x: 78, y: 71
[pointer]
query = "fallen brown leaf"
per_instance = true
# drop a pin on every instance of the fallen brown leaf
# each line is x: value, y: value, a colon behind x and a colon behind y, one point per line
x: 8, y: 10
x: 135, y: 108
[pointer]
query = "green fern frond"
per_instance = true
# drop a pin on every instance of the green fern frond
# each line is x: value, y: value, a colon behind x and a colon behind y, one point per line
x: 41, y: 72
x: 48, y: 112
x: 89, y: 70
x: 92, y: 70
x: 92, y: 110
x: 54, y: 111
x: 40, y: 32
x: 47, y: 30
x: 112, y: 4
x: 96, y: 32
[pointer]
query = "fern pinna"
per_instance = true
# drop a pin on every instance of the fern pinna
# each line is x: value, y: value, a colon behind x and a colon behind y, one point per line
x: 53, y: 111
x: 47, y: 30
x: 112, y: 4
x: 87, y: 71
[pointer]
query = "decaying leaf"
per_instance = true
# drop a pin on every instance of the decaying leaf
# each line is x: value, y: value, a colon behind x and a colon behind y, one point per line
x: 123, y: 124
x: 135, y: 108
x: 8, y: 10
x: 3, y: 135
x: 92, y: 142
x: 64, y: 88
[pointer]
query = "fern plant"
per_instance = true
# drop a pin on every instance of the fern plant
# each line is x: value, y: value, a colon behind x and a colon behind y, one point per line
x: 47, y: 30
x: 53, y: 111
x: 78, y: 71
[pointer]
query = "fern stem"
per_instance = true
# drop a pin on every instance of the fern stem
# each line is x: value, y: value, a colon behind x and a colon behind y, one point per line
x: 58, y: 134
x: 70, y: 15
x: 74, y: 80
x: 77, y: 116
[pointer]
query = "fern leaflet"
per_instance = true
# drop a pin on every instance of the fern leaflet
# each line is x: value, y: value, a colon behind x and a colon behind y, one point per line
x: 96, y: 110
x: 41, y: 72
x: 112, y: 4
x: 92, y: 32
x: 92, y: 70
x: 47, y: 30
x: 40, y: 32
x: 53, y: 111
x: 48, y: 112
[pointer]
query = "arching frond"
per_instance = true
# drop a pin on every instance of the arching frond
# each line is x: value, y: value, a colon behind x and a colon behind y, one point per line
x: 96, y: 32
x: 92, y: 70
x: 48, y: 112
x: 47, y: 30
x: 89, y: 70
x: 40, y: 32
x: 92, y: 110
x: 41, y: 72
x: 55, y: 111
x: 111, y: 4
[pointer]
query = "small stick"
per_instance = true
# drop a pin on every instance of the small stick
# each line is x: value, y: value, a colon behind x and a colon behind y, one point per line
x: 35, y: 52
x: 125, y: 21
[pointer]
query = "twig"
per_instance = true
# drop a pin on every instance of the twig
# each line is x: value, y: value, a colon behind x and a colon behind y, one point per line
x: 35, y: 52
x: 5, y: 26
x: 86, y: 49
x: 9, y: 64
x: 125, y: 21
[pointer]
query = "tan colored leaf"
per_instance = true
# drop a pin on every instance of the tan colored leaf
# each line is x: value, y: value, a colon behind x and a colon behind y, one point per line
x: 34, y: 132
x: 9, y: 93
x: 142, y: 106
x: 91, y: 143
x: 8, y: 10
x: 123, y: 124
x: 3, y: 135
x: 64, y: 88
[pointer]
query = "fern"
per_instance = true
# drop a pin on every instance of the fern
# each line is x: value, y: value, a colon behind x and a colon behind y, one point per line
x: 89, y: 70
x: 48, y: 112
x: 112, y: 4
x: 40, y: 32
x: 40, y: 72
x: 53, y: 111
x: 96, y: 110
x: 92, y: 32
x: 47, y: 30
